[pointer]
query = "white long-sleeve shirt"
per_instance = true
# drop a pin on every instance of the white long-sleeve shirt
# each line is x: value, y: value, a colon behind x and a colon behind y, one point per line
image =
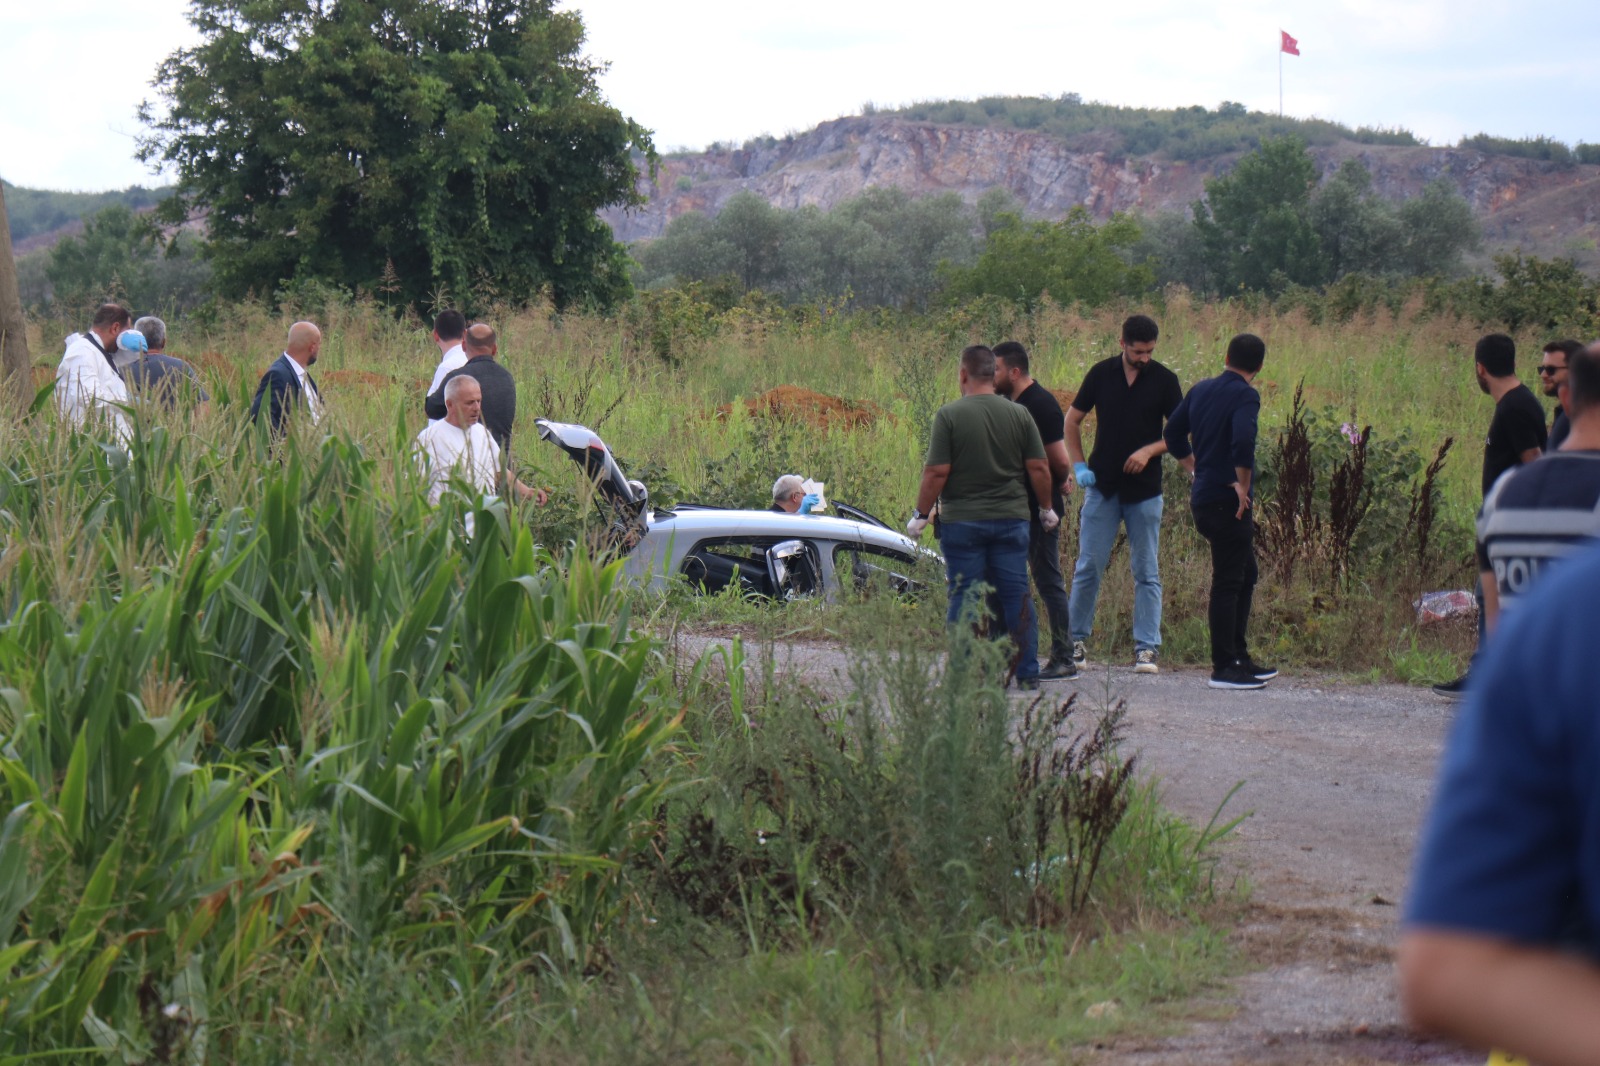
x: 453, y: 359
x: 89, y: 387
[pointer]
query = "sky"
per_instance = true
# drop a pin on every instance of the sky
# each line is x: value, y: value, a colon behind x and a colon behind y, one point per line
x: 728, y: 70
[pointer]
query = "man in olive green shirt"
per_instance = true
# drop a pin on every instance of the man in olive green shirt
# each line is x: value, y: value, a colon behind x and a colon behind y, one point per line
x: 982, y: 453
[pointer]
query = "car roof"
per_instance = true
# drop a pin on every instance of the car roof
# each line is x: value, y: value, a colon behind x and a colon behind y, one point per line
x: 712, y: 522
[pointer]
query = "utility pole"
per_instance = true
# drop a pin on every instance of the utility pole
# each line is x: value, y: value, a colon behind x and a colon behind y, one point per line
x: 16, y: 378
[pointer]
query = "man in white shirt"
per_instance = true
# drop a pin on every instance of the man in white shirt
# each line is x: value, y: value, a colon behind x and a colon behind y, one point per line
x: 458, y: 446
x: 88, y: 386
x: 448, y: 330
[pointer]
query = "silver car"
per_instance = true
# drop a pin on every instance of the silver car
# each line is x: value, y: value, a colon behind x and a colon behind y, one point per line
x: 769, y: 553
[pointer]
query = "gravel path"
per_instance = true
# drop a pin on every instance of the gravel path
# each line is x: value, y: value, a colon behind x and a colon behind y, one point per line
x: 1336, y: 780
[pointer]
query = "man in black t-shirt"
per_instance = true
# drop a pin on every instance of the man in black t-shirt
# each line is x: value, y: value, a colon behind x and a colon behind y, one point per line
x: 1013, y: 379
x: 1516, y: 436
x: 1132, y: 396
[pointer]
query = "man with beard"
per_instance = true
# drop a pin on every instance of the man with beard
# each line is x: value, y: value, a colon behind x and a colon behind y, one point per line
x: 1553, y: 375
x: 88, y: 386
x: 1516, y: 436
x: 1132, y: 396
x: 288, y: 384
x: 1013, y: 380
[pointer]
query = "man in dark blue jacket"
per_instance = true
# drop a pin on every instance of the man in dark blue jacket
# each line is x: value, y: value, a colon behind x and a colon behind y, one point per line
x: 1213, y: 435
x: 288, y: 382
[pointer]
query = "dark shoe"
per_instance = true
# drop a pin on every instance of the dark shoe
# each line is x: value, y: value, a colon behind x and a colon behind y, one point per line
x: 1059, y: 670
x: 1259, y: 672
x: 1454, y: 690
x: 1027, y: 684
x: 1144, y: 662
x: 1235, y: 675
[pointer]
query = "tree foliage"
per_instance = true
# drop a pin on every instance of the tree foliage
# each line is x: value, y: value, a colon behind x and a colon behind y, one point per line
x: 1268, y: 225
x: 122, y: 256
x: 881, y: 249
x: 1071, y: 260
x: 405, y: 146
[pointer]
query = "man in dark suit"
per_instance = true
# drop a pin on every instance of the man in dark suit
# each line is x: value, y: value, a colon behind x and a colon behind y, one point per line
x: 289, y: 382
x: 499, y: 388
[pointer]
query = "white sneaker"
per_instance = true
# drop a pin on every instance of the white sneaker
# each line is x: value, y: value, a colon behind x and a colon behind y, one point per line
x: 1080, y: 654
x: 1145, y: 662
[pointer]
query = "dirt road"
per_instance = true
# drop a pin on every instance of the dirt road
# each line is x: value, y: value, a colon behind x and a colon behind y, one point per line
x: 1336, y: 779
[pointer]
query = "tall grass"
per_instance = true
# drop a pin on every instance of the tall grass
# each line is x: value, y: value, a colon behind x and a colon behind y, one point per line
x: 265, y: 721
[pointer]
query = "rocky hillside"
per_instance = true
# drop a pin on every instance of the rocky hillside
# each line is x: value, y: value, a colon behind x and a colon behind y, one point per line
x: 1544, y: 208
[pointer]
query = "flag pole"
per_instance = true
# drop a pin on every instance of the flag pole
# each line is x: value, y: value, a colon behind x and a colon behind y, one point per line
x: 1280, y: 78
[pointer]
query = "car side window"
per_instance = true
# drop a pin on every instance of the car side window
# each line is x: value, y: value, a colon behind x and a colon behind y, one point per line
x: 717, y: 562
x: 864, y: 569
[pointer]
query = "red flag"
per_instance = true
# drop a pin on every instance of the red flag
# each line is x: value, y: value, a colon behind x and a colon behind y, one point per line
x: 1289, y: 44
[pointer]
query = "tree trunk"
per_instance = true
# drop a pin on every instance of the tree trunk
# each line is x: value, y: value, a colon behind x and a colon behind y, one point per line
x: 16, y: 377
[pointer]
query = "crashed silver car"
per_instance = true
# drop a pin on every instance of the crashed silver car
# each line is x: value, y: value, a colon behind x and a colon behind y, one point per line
x: 767, y: 553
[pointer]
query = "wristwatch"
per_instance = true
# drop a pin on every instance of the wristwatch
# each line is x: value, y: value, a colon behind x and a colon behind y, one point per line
x: 916, y: 514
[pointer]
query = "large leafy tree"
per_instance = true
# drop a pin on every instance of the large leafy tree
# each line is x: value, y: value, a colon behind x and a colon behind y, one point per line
x: 403, y: 146
x: 1256, y: 223
x: 1071, y: 260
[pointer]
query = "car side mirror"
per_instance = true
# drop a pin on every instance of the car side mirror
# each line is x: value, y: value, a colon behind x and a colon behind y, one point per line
x: 795, y: 570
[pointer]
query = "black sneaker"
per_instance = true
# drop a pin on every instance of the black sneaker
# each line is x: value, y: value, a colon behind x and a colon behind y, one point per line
x: 1027, y: 684
x: 1235, y: 675
x: 1059, y: 670
x: 1454, y: 690
x: 1259, y: 672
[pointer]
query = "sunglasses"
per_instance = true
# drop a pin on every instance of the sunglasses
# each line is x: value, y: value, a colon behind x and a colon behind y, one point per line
x: 1550, y: 369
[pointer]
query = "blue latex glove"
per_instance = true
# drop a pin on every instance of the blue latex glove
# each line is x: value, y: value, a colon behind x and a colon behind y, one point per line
x: 811, y: 500
x: 1083, y: 475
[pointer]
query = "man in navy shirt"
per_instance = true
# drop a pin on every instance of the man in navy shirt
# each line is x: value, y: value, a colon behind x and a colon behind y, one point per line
x: 1500, y: 947
x: 1213, y: 435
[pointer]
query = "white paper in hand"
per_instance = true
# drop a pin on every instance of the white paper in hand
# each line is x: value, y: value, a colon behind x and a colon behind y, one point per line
x: 808, y: 486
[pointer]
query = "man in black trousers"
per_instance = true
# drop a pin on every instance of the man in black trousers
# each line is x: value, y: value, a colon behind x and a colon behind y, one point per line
x: 1213, y: 435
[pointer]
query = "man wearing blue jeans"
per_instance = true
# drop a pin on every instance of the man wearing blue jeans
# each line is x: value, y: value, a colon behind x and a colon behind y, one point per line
x: 1132, y: 396
x: 983, y: 452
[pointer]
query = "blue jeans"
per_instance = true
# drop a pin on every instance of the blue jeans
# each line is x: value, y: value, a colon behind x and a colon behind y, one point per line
x: 994, y: 553
x: 1097, y: 532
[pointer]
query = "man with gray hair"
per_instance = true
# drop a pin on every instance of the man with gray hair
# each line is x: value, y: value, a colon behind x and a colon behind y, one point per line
x: 789, y: 496
x: 458, y: 447
x: 153, y: 374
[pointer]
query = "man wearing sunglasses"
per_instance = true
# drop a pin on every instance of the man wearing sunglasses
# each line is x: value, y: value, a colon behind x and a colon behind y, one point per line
x: 1516, y: 436
x: 1553, y: 375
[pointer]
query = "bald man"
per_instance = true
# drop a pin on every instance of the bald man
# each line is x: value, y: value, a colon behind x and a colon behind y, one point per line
x: 499, y: 389
x: 289, y: 380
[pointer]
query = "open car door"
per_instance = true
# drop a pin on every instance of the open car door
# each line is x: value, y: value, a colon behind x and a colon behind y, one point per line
x: 622, y: 500
x: 795, y: 570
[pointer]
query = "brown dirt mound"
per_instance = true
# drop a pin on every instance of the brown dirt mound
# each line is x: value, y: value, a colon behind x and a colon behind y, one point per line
x: 216, y: 363
x: 1064, y: 397
x: 791, y: 403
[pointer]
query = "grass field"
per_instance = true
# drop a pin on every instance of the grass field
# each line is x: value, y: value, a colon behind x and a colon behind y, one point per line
x: 293, y: 772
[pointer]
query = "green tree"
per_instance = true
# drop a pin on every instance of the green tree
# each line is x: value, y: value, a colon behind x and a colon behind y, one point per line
x: 1357, y: 231
x: 1256, y: 223
x: 1072, y: 260
x: 412, y: 145
x: 1439, y: 229
x: 121, y: 255
x: 1552, y: 295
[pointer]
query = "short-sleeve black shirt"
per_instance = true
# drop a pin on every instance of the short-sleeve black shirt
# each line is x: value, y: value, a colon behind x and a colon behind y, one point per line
x: 1052, y: 423
x: 1518, y: 425
x: 1128, y: 417
x: 499, y: 398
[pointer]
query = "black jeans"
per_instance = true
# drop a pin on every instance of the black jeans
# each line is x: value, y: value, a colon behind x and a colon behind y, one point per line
x: 1233, y: 576
x: 1044, y: 563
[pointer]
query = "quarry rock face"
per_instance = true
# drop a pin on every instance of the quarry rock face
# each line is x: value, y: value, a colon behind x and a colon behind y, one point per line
x: 1547, y: 208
